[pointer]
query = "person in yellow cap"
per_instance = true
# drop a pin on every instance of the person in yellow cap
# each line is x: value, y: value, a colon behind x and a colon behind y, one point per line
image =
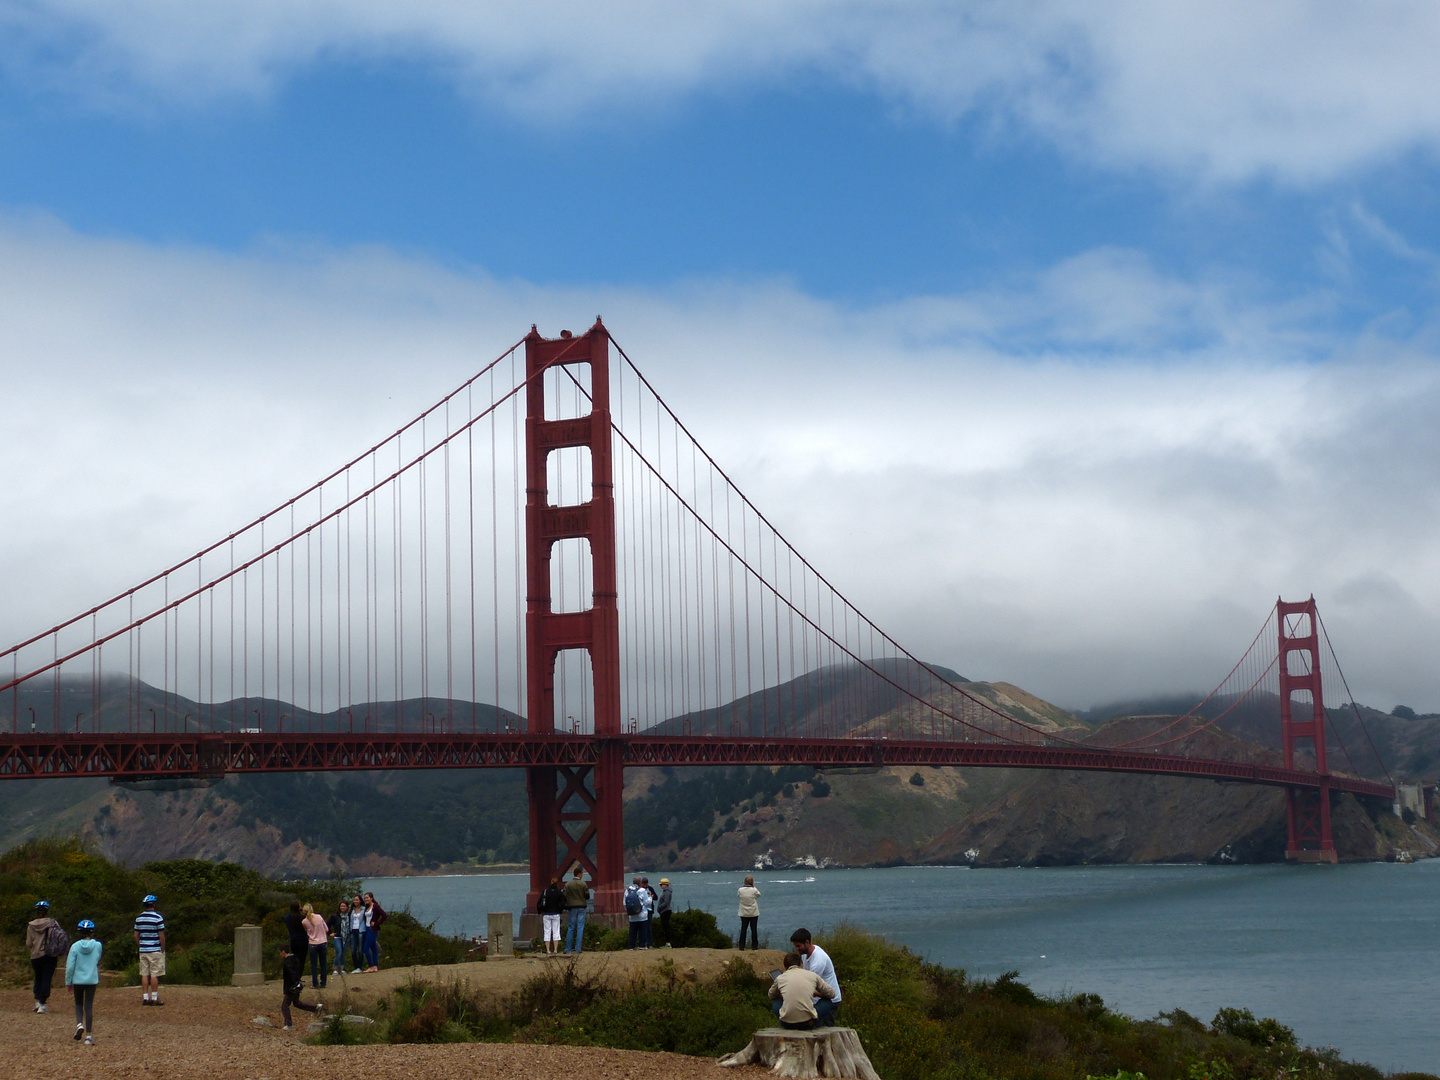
x: 663, y: 905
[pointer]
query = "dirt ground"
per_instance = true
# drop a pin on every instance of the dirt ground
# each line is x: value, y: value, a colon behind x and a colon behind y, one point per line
x: 208, y: 1032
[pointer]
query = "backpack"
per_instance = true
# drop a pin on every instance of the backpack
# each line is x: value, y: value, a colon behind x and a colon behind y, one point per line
x: 56, y: 940
x: 633, y: 906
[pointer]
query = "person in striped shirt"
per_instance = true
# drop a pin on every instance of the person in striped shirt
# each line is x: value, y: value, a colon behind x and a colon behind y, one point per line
x: 150, y: 940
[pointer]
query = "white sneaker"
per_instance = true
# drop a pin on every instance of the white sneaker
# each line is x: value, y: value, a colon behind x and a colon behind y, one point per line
x: 42, y: 1008
x: 89, y: 1041
x: 79, y: 1032
x: 287, y: 1027
x: 355, y: 972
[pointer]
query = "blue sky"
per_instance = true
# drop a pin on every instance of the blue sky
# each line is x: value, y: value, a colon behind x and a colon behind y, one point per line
x: 845, y: 193
x: 1172, y: 269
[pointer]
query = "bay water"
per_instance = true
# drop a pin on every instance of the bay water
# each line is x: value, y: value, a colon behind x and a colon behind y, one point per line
x: 1345, y: 955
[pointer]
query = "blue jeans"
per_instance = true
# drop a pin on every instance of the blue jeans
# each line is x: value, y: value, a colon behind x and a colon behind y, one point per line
x: 319, y: 966
x: 372, y: 948
x: 825, y: 1010
x: 355, y: 937
x: 575, y: 935
x: 338, y: 942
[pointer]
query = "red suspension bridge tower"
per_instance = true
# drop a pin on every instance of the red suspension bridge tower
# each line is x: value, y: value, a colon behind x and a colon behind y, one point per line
x: 572, y: 807
x: 1307, y: 809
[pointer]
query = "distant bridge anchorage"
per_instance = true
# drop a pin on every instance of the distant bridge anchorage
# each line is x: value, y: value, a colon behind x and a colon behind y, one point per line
x: 586, y: 568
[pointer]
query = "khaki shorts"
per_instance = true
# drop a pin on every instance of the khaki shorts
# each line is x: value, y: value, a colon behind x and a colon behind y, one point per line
x: 152, y: 963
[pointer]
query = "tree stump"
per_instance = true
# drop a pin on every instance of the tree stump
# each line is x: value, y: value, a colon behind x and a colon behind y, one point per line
x: 834, y: 1052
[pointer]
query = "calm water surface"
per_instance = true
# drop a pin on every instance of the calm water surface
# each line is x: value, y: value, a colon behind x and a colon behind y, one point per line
x: 1346, y: 955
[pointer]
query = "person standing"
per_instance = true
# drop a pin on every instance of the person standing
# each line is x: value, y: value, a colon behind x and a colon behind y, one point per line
x: 46, y: 941
x: 316, y: 933
x: 292, y: 982
x: 818, y: 960
x: 298, y: 935
x: 357, y: 931
x: 664, y: 904
x: 150, y: 940
x: 635, y: 897
x: 577, y: 901
x: 375, y: 917
x: 340, y: 933
x: 550, y: 905
x: 749, y: 913
x: 652, y: 899
x: 82, y: 975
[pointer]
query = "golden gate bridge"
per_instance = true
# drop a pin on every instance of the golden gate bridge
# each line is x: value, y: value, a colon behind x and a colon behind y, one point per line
x: 411, y: 610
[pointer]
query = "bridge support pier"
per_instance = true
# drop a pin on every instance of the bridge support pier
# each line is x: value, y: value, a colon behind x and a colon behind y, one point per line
x: 576, y: 814
x: 1307, y: 810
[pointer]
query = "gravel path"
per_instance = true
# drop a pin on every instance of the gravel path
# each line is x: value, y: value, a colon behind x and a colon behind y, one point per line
x: 207, y: 1032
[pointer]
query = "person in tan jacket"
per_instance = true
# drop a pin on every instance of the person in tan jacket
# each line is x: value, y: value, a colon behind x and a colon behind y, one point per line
x: 42, y: 961
x: 794, y: 991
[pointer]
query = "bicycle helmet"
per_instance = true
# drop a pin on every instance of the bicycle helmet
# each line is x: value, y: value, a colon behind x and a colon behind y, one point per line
x: 149, y: 899
x: 87, y: 924
x: 43, y: 903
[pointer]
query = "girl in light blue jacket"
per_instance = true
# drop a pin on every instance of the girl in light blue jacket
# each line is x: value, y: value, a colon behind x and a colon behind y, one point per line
x: 82, y: 975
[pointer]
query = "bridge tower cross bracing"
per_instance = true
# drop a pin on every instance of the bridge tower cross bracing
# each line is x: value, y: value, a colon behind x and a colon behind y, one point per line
x: 556, y: 821
x: 1307, y: 810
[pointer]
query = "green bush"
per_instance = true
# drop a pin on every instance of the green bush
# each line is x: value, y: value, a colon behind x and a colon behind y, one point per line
x: 203, y: 903
x: 1241, y: 1023
x: 696, y: 929
x: 210, y: 963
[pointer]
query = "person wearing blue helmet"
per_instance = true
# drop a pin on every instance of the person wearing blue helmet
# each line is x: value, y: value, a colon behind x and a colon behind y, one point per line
x: 47, y: 942
x: 150, y: 940
x: 82, y: 975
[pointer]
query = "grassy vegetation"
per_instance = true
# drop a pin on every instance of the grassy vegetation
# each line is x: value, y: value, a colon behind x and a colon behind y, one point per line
x: 203, y: 903
x: 918, y: 1021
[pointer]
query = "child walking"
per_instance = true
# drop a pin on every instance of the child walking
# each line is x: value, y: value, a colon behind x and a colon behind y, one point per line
x: 82, y: 975
x: 292, y: 980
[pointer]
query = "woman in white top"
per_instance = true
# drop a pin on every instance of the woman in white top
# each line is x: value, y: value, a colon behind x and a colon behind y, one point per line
x: 749, y: 913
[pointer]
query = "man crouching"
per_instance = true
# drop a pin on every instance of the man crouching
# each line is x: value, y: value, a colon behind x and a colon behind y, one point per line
x: 795, y: 991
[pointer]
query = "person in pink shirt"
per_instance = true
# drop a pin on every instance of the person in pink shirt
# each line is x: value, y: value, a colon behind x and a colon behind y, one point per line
x: 317, y: 933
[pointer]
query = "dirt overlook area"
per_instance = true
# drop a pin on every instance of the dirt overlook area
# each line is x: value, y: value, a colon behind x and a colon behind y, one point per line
x: 209, y: 1032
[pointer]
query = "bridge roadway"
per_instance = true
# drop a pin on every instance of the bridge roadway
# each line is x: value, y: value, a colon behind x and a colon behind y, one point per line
x: 177, y: 755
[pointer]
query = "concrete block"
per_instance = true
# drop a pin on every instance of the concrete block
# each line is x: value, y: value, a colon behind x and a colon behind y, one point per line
x: 249, y: 969
x: 500, y: 927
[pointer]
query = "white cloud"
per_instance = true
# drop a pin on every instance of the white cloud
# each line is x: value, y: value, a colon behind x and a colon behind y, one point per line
x: 1093, y: 484
x: 1221, y: 91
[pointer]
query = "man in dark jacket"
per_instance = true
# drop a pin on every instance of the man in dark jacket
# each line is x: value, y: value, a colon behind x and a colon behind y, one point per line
x: 292, y: 980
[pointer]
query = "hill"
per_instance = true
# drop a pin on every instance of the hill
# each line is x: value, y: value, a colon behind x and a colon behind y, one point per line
x: 397, y: 822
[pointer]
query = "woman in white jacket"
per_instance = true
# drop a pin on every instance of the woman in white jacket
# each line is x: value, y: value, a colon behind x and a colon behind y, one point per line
x: 749, y: 913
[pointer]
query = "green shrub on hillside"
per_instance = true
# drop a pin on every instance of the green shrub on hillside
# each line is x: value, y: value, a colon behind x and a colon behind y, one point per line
x: 696, y: 929
x: 918, y: 1021
x: 203, y: 903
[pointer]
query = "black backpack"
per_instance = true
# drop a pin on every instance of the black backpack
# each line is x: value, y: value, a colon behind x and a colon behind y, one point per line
x: 633, y: 906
